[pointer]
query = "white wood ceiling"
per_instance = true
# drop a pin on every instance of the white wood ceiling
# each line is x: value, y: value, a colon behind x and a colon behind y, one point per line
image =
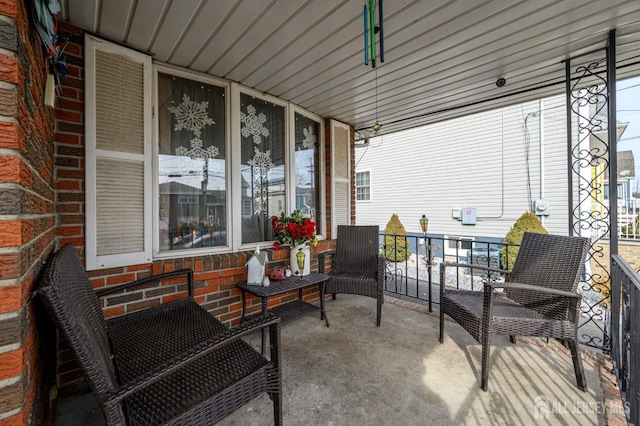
x: 439, y: 55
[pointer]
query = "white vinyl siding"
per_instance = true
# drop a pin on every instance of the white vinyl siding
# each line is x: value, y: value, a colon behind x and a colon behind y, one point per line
x: 118, y: 155
x: 475, y: 161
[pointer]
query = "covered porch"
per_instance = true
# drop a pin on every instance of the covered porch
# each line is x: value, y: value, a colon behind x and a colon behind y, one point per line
x: 303, y: 59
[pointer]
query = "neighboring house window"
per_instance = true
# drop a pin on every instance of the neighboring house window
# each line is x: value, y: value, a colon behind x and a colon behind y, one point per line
x: 457, y: 246
x: 191, y: 164
x: 363, y: 186
x: 247, y: 207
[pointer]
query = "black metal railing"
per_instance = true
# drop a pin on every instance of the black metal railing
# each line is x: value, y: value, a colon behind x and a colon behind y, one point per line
x: 413, y: 261
x: 413, y: 274
x: 625, y: 334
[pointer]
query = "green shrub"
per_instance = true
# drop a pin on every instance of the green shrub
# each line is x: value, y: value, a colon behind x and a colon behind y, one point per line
x: 528, y: 222
x: 396, y: 249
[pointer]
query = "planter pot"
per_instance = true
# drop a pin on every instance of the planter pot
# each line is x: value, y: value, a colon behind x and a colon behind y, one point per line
x: 295, y: 272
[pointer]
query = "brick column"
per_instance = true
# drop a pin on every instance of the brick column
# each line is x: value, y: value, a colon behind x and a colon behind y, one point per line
x: 26, y: 215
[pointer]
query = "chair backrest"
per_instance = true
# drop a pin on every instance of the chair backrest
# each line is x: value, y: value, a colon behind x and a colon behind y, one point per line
x: 357, y: 248
x: 72, y: 303
x: 552, y: 261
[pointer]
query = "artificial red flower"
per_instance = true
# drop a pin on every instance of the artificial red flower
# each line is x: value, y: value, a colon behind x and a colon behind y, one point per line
x: 294, y: 230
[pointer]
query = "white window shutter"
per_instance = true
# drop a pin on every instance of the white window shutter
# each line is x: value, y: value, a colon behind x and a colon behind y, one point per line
x: 118, y: 155
x: 341, y: 176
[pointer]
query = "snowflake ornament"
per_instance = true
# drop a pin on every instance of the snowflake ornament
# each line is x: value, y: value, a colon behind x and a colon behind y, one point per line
x: 309, y: 140
x: 261, y: 161
x: 191, y: 115
x: 253, y: 124
x: 197, y: 151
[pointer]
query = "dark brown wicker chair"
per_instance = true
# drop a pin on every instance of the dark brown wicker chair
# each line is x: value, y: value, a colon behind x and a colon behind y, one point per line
x: 358, y: 265
x: 169, y: 364
x: 539, y: 298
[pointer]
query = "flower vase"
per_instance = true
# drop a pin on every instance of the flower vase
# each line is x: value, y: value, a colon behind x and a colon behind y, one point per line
x: 295, y: 269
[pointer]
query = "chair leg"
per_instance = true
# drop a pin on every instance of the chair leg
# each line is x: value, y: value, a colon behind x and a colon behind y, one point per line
x: 512, y: 339
x: 441, y: 323
x: 379, y: 313
x: 277, y: 408
x: 486, y: 348
x: 581, y: 380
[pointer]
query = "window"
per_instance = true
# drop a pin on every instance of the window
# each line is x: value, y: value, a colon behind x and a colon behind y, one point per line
x: 363, y: 186
x: 457, y: 246
x: 225, y: 160
x: 262, y: 165
x: 307, y: 167
x: 192, y: 181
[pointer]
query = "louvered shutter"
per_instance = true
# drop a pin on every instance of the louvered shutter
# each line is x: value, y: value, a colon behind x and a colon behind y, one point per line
x: 118, y: 155
x: 341, y: 176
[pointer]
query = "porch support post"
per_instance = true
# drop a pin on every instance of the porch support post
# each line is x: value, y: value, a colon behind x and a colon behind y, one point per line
x: 567, y: 80
x: 612, y: 128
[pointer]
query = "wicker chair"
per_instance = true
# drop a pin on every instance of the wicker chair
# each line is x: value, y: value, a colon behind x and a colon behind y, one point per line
x: 539, y: 298
x: 169, y: 364
x: 358, y: 265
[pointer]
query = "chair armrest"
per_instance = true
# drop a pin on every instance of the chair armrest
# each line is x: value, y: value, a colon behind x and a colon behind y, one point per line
x: 203, y: 348
x: 492, y: 285
x: 114, y: 289
x: 321, y: 259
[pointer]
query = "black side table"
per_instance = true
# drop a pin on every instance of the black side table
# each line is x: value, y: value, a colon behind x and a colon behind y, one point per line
x: 289, y: 311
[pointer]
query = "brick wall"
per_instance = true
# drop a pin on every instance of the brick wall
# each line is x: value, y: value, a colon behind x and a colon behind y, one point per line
x: 27, y: 215
x: 629, y: 250
x: 69, y: 144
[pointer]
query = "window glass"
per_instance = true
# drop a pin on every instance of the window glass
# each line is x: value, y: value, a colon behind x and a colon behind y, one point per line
x: 363, y: 186
x: 191, y: 164
x: 262, y: 130
x: 307, y: 167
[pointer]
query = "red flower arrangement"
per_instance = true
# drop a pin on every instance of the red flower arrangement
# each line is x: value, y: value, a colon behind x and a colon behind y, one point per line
x: 294, y: 230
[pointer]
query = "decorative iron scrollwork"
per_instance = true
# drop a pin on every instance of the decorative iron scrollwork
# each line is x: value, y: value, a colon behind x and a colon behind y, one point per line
x: 589, y: 102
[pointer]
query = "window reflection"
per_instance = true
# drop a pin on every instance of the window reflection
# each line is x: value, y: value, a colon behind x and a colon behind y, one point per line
x: 191, y: 164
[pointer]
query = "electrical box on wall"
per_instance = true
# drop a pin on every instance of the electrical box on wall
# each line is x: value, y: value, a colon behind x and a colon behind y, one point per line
x: 541, y: 207
x: 469, y: 216
x: 455, y: 214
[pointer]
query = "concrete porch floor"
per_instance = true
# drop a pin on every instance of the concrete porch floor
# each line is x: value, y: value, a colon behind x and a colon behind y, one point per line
x: 355, y: 373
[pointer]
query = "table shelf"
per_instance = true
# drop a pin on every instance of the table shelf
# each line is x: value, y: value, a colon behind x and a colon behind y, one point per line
x: 289, y: 311
x: 293, y: 310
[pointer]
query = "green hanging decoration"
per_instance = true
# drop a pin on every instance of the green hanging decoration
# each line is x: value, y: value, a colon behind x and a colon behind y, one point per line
x: 370, y: 30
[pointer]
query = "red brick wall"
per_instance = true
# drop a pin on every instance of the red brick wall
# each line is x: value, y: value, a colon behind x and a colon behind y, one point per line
x: 27, y: 211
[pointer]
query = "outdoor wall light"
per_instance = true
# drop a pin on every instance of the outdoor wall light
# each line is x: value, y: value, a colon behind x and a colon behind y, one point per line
x: 424, y: 223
